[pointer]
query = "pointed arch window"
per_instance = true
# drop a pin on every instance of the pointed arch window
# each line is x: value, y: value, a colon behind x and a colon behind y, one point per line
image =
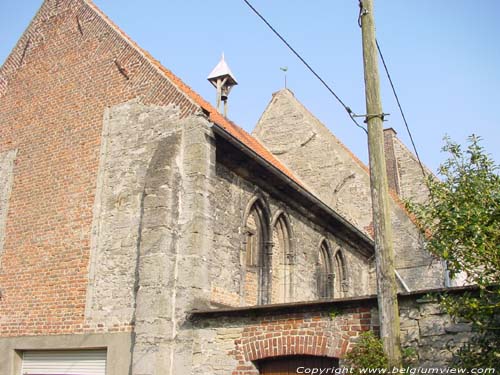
x: 255, y: 236
x: 282, y: 261
x: 256, y: 262
x: 341, y: 281
x: 325, y: 276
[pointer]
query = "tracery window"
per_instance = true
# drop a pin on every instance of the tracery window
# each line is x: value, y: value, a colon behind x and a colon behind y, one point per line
x: 282, y: 261
x: 256, y: 245
x: 341, y: 285
x: 325, y: 275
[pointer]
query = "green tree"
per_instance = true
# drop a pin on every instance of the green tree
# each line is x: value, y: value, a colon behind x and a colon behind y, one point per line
x: 461, y: 223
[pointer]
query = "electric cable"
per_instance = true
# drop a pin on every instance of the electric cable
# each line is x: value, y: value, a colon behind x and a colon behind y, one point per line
x: 401, y: 109
x: 348, y: 110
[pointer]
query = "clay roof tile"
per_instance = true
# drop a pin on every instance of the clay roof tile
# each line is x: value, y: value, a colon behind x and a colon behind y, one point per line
x: 214, y: 116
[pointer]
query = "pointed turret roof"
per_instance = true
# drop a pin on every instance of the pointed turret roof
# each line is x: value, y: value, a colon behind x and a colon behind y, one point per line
x: 221, y: 70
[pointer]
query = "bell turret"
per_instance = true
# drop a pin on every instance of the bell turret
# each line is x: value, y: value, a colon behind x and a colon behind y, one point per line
x: 223, y: 80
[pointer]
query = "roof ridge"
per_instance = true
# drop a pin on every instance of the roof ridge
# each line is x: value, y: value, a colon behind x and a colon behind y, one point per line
x: 213, y: 115
x: 393, y: 195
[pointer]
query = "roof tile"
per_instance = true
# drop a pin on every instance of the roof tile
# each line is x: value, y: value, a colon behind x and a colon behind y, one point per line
x: 214, y: 116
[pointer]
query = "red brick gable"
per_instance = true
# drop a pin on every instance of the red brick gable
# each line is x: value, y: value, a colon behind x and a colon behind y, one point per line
x: 50, y: 8
x: 54, y: 88
x: 214, y: 116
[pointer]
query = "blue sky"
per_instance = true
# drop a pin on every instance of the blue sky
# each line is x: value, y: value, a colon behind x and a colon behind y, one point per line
x: 444, y: 57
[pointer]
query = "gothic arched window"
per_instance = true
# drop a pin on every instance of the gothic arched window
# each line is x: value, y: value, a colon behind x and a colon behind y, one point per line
x: 341, y: 281
x: 257, y: 264
x: 325, y: 275
x: 282, y: 261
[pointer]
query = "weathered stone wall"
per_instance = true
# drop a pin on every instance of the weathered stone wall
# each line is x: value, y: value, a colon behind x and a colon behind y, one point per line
x: 308, y: 148
x: 168, y: 234
x: 411, y: 177
x: 54, y: 89
x: 332, y: 172
x: 430, y: 331
x: 233, y: 341
x: 415, y: 265
x: 227, y: 266
x: 174, y: 244
x: 132, y: 134
x: 150, y: 233
x: 229, y: 344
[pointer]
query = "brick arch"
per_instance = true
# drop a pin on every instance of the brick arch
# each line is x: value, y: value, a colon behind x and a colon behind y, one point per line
x: 314, y: 333
x: 294, y: 341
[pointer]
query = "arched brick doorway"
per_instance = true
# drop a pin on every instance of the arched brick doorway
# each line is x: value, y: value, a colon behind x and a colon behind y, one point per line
x: 293, y: 365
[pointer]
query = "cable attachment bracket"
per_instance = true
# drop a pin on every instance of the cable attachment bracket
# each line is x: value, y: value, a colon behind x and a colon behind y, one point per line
x: 362, y: 12
x: 369, y: 116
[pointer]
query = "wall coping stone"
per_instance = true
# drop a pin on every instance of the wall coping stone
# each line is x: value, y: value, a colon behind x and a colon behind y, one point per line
x: 294, y: 307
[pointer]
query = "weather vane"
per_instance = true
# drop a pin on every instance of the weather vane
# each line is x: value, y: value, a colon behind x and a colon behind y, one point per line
x: 284, y: 69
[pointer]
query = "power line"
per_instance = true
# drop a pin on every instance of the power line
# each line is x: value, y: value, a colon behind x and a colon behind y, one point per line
x: 348, y: 110
x: 400, y: 109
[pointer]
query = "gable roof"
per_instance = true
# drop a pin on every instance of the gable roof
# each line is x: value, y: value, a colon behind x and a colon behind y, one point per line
x: 288, y: 95
x: 213, y: 115
x: 222, y: 126
x: 234, y: 130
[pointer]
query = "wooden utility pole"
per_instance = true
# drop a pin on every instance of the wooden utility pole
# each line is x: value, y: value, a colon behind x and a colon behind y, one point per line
x: 384, y: 252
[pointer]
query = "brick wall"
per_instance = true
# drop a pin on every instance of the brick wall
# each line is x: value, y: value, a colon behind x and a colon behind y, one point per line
x: 53, y: 91
x: 320, y: 334
x: 391, y: 163
x: 232, y: 341
x: 233, y: 345
x: 403, y: 169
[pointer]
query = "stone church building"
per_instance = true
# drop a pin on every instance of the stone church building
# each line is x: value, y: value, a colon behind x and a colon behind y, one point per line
x: 142, y: 232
